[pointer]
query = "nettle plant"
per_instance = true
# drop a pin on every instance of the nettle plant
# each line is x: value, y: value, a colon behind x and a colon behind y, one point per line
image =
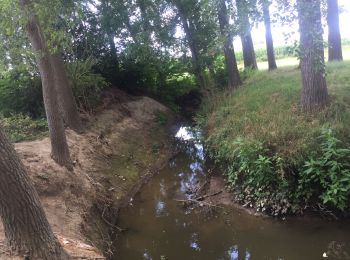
x: 326, y: 175
x: 258, y: 178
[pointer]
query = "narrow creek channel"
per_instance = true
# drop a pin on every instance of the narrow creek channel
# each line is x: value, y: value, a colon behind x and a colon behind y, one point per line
x: 159, y: 227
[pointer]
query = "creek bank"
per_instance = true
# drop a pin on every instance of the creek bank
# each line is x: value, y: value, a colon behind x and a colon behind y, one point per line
x: 171, y: 218
x: 124, y: 143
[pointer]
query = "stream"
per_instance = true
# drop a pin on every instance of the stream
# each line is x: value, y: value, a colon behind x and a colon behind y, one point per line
x: 160, y: 228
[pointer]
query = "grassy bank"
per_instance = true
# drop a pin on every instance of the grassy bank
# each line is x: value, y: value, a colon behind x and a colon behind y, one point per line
x: 276, y: 158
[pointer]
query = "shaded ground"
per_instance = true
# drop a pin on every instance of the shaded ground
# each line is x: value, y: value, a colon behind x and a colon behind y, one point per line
x: 123, y: 143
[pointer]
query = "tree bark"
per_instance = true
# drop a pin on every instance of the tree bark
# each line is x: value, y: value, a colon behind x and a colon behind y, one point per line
x: 59, y: 146
x: 268, y: 35
x: 334, y: 37
x: 314, y: 95
x: 246, y: 37
x: 66, y: 100
x: 230, y: 58
x: 248, y: 51
x: 26, y: 227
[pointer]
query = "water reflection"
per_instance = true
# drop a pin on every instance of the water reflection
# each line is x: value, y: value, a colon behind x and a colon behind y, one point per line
x: 185, y: 133
x: 160, y: 228
x: 233, y: 253
x: 160, y: 209
x: 194, y: 242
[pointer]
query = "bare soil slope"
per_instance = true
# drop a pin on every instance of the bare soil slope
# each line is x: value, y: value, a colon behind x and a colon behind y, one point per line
x: 123, y: 143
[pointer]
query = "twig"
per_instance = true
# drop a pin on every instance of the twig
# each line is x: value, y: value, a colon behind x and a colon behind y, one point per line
x: 109, y: 223
x: 201, y: 187
x: 208, y: 195
x: 201, y: 203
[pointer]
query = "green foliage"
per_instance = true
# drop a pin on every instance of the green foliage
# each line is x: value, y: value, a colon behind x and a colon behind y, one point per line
x: 165, y: 78
x: 326, y: 175
x: 256, y: 177
x: 87, y: 85
x: 267, y: 144
x: 20, y: 92
x: 20, y: 127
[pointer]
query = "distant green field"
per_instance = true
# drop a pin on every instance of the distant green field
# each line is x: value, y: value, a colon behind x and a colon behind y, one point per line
x: 284, y: 58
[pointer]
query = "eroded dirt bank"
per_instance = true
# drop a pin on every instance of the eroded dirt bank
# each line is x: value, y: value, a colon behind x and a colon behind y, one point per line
x: 122, y: 145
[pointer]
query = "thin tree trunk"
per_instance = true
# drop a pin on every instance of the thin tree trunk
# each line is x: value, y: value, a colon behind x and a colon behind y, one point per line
x: 146, y: 26
x: 66, y: 100
x: 114, y: 55
x: 269, y: 41
x: 26, y: 227
x: 196, y: 63
x: 109, y: 30
x: 248, y: 51
x: 334, y: 37
x: 246, y: 37
x: 230, y: 58
x: 314, y: 95
x: 59, y: 146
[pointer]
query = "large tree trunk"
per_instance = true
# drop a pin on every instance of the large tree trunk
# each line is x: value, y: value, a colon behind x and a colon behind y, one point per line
x: 246, y: 37
x: 314, y: 95
x: 59, y: 146
x: 66, y: 100
x: 26, y: 227
x: 334, y: 38
x: 231, y: 64
x: 269, y: 41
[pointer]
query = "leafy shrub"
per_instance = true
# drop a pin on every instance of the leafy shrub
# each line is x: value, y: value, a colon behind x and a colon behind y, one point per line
x: 87, y: 85
x: 20, y: 127
x: 326, y: 175
x: 257, y: 178
x: 20, y: 92
x: 260, y: 179
x: 149, y: 72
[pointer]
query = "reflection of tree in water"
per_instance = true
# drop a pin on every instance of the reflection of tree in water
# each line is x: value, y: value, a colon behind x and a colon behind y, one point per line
x: 188, y: 141
x: 337, y: 250
x: 235, y: 253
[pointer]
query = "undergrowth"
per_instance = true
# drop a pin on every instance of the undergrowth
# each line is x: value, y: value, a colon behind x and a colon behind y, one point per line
x: 277, y: 159
x: 20, y: 127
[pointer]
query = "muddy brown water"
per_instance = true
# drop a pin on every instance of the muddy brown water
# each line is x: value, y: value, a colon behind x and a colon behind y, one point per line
x: 159, y: 227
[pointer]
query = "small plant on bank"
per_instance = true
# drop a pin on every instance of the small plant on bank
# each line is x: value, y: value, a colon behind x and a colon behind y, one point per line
x: 87, y: 85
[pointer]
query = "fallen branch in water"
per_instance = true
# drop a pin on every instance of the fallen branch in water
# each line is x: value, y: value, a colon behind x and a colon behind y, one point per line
x: 200, y: 203
x: 198, y: 190
x: 208, y: 195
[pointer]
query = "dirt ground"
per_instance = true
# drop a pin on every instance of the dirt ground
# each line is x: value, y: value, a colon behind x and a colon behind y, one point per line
x: 122, y: 145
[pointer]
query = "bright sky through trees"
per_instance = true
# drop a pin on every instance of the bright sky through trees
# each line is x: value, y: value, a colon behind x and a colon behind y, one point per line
x: 258, y: 32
